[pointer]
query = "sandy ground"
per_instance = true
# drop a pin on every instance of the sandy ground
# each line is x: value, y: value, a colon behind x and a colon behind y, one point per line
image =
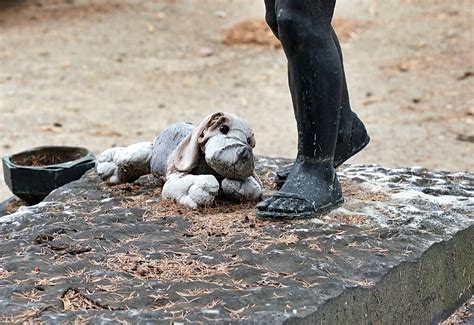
x: 103, y: 73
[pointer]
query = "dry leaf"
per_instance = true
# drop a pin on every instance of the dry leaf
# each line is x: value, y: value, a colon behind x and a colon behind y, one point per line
x: 106, y: 133
x: 51, y: 128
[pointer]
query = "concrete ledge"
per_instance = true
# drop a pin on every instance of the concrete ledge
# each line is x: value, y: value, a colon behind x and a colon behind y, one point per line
x: 400, y: 250
x: 423, y: 292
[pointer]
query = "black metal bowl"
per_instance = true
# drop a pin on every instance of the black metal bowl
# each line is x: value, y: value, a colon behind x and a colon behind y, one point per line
x: 33, y: 174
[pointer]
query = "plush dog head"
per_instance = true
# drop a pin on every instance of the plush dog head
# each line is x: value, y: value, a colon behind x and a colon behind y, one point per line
x: 224, y: 140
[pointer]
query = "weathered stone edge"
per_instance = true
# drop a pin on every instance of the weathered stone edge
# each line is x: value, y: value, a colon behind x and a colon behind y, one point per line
x: 421, y: 292
x: 3, y: 206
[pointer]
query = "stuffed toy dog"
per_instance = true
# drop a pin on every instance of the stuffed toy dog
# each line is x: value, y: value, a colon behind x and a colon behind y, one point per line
x: 198, y: 163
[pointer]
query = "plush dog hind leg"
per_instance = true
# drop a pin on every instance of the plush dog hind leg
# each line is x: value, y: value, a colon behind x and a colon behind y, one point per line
x: 191, y: 191
x: 125, y: 165
x: 315, y: 73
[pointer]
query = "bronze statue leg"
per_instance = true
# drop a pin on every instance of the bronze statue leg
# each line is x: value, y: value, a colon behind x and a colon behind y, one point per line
x: 316, y: 83
x: 352, y: 135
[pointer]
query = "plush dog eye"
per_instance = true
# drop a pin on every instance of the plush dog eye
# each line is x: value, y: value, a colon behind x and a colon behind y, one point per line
x: 224, y: 129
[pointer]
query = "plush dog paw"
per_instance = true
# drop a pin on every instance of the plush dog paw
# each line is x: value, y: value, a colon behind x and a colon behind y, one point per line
x: 249, y: 189
x: 122, y: 165
x: 191, y: 191
x: 107, y: 168
x: 203, y: 191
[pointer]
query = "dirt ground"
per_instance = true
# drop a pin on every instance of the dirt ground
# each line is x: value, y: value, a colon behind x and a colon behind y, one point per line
x: 101, y: 73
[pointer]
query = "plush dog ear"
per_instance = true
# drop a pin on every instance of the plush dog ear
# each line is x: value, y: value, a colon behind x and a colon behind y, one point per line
x: 186, y: 155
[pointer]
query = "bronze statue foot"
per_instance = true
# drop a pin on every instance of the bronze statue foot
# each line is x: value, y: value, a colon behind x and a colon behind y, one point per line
x: 347, y: 147
x: 312, y: 189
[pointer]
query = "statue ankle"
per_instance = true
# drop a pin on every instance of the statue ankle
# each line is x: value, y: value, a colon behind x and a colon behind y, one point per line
x: 316, y: 162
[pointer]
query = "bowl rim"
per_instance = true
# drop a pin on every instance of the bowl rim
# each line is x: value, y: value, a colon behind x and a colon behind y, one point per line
x: 88, y: 157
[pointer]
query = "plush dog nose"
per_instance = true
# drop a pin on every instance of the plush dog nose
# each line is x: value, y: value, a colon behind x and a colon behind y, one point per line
x: 243, y: 153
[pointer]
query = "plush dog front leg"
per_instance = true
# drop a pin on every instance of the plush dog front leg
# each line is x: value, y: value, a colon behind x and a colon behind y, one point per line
x: 247, y: 190
x: 191, y: 190
x: 125, y: 165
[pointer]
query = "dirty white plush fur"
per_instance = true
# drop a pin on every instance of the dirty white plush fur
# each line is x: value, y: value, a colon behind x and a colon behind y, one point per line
x: 198, y: 190
x: 193, y: 165
x: 191, y: 190
x: 113, y: 163
x: 249, y: 189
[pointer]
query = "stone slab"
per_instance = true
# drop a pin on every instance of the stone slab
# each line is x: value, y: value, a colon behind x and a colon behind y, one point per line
x: 400, y: 250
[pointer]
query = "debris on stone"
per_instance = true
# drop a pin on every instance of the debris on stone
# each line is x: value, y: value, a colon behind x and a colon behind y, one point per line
x: 94, y: 252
